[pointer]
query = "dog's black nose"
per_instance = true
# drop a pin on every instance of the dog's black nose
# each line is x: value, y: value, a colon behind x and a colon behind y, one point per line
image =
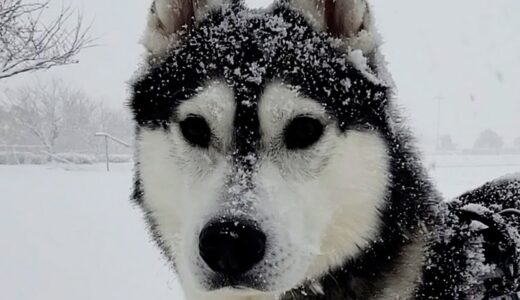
x: 231, y: 247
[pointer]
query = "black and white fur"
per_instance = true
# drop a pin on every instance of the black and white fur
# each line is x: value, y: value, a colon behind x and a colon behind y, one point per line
x: 352, y: 216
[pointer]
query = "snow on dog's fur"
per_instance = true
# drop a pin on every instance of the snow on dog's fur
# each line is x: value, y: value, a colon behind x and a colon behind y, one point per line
x: 270, y: 162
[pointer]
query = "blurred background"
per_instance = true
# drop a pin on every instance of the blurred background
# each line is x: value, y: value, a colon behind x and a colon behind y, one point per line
x: 69, y: 230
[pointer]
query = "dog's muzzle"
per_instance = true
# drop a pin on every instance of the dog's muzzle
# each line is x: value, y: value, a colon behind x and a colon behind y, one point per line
x: 231, y: 248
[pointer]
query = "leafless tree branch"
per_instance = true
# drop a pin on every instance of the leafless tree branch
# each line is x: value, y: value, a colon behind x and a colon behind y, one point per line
x: 27, y: 43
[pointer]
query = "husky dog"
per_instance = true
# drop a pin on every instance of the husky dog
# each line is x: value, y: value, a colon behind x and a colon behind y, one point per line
x: 270, y: 163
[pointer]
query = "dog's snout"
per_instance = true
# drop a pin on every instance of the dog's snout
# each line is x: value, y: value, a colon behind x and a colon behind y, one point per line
x: 230, y: 247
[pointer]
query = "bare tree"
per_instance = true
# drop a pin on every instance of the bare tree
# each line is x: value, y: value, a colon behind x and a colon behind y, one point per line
x: 28, y: 43
x: 116, y: 122
x: 38, y: 109
x: 516, y: 143
x: 488, y: 140
x: 59, y: 117
x: 79, y: 121
x: 4, y: 123
x: 446, y: 143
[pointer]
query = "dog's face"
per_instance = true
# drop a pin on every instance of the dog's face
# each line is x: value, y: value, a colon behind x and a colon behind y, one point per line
x: 260, y: 158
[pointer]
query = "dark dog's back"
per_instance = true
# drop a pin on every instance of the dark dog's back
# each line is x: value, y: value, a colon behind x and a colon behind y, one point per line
x: 476, y: 252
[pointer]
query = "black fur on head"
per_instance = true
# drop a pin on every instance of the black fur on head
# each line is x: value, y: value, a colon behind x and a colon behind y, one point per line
x: 249, y: 49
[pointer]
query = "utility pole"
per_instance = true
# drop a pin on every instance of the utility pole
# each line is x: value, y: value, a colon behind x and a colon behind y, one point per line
x: 437, y: 146
x: 106, y: 153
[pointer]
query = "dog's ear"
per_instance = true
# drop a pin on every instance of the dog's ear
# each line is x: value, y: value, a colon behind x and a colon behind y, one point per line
x: 346, y: 19
x: 168, y: 17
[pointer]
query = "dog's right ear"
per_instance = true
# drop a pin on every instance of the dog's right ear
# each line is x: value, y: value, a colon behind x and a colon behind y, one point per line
x: 167, y: 18
x: 349, y: 20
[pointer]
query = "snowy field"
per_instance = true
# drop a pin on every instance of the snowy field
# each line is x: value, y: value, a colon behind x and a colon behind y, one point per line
x: 71, y: 233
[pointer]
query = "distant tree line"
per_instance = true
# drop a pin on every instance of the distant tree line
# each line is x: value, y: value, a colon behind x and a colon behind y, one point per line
x: 488, y: 140
x: 59, y: 118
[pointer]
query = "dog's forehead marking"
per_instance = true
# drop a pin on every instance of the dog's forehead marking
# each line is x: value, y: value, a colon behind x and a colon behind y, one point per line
x: 214, y: 101
x: 281, y: 102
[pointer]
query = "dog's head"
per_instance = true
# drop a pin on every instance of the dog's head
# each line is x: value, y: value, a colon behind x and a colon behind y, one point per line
x: 261, y: 162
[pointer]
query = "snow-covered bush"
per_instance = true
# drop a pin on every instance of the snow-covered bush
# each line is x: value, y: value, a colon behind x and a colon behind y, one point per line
x: 488, y: 140
x: 446, y: 143
x: 516, y: 143
x: 118, y: 158
x: 75, y: 158
x: 16, y: 158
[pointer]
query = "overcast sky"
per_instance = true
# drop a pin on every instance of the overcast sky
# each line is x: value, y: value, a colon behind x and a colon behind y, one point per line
x: 461, y: 57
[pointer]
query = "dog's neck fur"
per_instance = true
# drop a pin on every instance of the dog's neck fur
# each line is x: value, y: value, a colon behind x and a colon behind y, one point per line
x: 402, y: 281
x: 398, y: 283
x: 207, y: 296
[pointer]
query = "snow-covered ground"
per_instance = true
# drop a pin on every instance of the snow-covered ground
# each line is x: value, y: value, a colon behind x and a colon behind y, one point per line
x: 71, y: 233
x: 455, y: 174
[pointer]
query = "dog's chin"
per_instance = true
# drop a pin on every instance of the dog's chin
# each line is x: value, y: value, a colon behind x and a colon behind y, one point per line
x: 239, y: 285
x: 233, y: 291
x: 249, y: 288
x: 237, y: 292
x: 240, y: 290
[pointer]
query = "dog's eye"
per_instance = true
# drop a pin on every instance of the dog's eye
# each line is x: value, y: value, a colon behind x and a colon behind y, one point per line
x: 302, y: 132
x: 196, y: 131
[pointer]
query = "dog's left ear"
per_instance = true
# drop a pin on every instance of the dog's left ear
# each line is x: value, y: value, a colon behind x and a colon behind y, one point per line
x: 167, y: 18
x: 350, y: 20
